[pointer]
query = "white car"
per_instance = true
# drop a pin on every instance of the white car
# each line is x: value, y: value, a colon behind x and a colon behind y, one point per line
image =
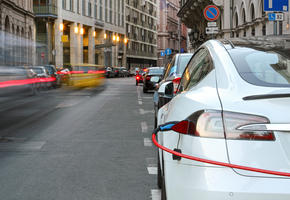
x: 237, y: 94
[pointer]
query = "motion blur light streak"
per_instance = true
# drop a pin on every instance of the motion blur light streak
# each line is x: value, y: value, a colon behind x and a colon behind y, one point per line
x: 11, y: 83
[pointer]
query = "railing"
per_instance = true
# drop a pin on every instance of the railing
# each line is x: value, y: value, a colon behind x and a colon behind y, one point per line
x: 45, y: 11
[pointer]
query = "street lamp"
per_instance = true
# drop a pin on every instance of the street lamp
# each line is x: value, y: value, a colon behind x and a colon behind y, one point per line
x: 61, y: 27
x: 82, y: 31
x: 125, y: 40
x: 114, y: 38
x: 76, y: 30
x: 118, y: 38
x: 105, y: 36
x: 94, y: 34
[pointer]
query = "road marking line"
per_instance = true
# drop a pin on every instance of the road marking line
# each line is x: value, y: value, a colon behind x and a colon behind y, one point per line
x: 156, y: 194
x: 147, y: 142
x: 143, y: 112
x: 152, y: 170
x: 140, y: 102
x: 144, y: 127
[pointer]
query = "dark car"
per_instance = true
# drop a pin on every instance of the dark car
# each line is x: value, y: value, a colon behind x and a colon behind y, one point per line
x: 152, y: 77
x: 173, y: 72
x: 110, y: 72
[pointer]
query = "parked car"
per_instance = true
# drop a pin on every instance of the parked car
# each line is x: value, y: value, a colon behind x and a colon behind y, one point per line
x: 236, y: 97
x: 152, y: 77
x: 124, y: 72
x: 43, y: 76
x: 173, y: 72
x: 51, y: 69
x: 110, y: 73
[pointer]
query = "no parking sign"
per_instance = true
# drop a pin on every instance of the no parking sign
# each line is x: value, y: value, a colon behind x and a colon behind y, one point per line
x: 211, y: 13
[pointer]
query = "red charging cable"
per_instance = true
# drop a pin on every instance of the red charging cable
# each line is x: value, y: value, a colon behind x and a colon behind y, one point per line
x: 216, y: 162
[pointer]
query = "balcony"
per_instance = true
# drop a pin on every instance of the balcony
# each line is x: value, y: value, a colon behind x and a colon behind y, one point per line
x: 45, y: 11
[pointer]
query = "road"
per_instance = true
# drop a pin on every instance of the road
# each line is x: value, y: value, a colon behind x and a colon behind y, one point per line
x: 79, y: 145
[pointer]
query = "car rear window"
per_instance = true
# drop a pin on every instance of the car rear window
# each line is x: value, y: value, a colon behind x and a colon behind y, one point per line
x: 183, y: 61
x: 262, y: 68
x: 155, y: 71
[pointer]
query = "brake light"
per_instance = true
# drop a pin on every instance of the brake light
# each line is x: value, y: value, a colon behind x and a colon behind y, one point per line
x: 233, y: 121
x: 148, y: 78
x: 217, y: 124
x: 137, y: 77
x: 176, y: 84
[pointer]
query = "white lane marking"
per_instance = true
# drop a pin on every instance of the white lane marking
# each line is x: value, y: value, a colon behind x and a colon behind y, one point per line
x: 143, y: 112
x: 144, y: 127
x: 156, y: 194
x: 140, y: 102
x: 152, y: 170
x: 147, y: 142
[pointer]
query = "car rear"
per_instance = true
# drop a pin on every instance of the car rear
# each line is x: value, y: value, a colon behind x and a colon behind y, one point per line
x: 235, y: 133
x: 152, y: 77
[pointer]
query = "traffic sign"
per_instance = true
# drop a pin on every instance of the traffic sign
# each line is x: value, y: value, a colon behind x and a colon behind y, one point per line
x: 182, y: 50
x: 275, y: 16
x: 162, y: 53
x: 212, y: 30
x: 211, y: 13
x: 168, y: 51
x: 276, y: 5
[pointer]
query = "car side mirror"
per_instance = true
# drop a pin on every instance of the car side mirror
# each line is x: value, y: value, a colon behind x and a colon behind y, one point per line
x: 166, y: 89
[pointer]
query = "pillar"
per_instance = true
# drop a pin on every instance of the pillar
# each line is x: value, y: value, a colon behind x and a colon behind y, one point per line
x: 58, y: 44
x: 91, y: 45
x: 74, y: 43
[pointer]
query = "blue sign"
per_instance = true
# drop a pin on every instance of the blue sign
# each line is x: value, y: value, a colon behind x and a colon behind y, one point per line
x: 162, y: 53
x: 272, y: 16
x: 168, y: 51
x: 182, y: 50
x: 276, y: 5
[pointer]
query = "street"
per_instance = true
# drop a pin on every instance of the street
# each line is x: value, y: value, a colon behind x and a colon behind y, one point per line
x: 79, y: 144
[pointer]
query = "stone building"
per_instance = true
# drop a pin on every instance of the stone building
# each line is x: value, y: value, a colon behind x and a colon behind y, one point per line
x: 141, y: 29
x: 81, y: 31
x: 239, y: 18
x: 16, y: 32
x: 171, y: 32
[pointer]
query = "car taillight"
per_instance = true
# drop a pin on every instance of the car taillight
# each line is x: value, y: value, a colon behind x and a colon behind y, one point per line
x: 217, y: 124
x: 148, y: 78
x: 175, y: 84
x: 137, y: 77
x: 233, y: 121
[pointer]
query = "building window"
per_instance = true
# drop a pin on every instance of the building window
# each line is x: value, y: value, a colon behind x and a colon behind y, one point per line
x: 71, y: 5
x: 84, y: 7
x: 89, y: 9
x: 245, y: 33
x: 64, y: 4
x: 280, y: 28
x: 101, y: 10
x: 78, y: 6
x: 264, y: 29
x: 253, y: 31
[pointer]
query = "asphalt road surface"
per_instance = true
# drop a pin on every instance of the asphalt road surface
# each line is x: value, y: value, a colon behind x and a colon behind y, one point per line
x: 86, y: 144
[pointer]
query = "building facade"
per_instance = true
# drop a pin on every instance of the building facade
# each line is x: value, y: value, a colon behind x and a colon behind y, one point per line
x: 172, y: 33
x: 17, y: 32
x: 141, y: 29
x: 81, y: 31
x: 238, y: 19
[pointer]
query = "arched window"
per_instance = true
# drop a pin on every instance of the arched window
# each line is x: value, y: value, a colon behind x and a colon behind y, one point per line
x: 7, y: 25
x: 7, y: 52
x: 236, y: 20
x: 253, y: 12
x: 244, y: 16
